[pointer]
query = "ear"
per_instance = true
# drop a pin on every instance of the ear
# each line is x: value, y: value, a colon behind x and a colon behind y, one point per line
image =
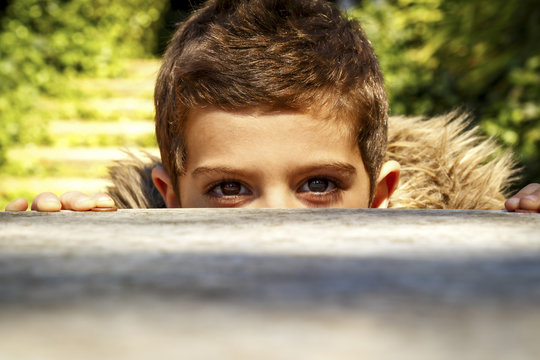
x: 162, y: 181
x: 386, y: 184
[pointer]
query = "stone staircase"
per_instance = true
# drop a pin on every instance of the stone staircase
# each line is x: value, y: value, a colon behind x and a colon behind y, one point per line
x: 89, y: 130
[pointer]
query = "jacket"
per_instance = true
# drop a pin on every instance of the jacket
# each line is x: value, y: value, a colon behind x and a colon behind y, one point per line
x: 445, y: 164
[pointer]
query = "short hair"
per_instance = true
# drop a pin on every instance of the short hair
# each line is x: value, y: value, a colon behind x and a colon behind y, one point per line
x: 301, y: 55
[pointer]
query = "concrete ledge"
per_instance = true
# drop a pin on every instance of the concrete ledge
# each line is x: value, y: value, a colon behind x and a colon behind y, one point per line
x: 267, y: 284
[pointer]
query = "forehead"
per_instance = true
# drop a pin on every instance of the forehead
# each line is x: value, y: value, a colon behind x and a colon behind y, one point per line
x: 247, y: 133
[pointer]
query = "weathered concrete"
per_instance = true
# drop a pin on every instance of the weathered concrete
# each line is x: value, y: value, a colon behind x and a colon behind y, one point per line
x: 270, y: 284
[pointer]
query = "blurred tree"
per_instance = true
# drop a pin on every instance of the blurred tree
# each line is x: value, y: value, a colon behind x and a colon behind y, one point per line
x: 43, y: 40
x: 3, y: 6
x: 483, y: 55
x: 436, y: 55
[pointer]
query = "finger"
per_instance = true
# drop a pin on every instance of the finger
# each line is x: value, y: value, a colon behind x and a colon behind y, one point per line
x: 530, y: 202
x: 526, y: 199
x: 17, y: 205
x: 77, y: 201
x: 103, y: 200
x: 527, y: 190
x: 512, y: 204
x: 47, y: 202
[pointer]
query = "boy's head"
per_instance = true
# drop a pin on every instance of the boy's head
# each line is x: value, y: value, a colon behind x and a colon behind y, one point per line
x: 267, y: 57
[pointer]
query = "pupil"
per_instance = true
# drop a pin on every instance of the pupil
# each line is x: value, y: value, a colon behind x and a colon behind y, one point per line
x: 317, y: 185
x: 230, y: 188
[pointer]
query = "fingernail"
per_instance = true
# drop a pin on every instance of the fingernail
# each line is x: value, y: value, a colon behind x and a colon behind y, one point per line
x: 104, y: 201
x: 84, y: 203
x: 50, y: 204
x: 532, y: 197
x: 49, y: 197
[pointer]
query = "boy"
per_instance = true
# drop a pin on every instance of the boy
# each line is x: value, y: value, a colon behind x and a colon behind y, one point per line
x: 281, y: 103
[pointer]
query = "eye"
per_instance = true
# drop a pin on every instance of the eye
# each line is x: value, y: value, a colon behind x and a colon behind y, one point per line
x: 229, y: 188
x: 317, y: 185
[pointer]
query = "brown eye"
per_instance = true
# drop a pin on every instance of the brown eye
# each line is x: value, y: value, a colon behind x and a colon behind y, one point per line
x: 230, y: 188
x: 317, y: 185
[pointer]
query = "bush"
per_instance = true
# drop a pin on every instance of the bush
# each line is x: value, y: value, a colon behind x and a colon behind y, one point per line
x: 482, y: 55
x: 45, y: 40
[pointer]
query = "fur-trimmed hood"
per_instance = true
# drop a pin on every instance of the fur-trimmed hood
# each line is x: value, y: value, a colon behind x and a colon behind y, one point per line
x: 444, y: 165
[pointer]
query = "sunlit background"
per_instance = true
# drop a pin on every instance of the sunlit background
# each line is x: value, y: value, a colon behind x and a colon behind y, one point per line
x: 76, y: 78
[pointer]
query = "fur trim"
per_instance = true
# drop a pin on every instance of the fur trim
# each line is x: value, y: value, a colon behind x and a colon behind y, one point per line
x: 444, y: 165
x: 133, y: 187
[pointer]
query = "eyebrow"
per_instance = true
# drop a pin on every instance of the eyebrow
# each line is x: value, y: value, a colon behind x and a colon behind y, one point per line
x: 344, y: 169
x: 209, y: 170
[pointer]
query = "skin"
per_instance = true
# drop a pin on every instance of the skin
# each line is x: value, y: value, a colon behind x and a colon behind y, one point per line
x: 76, y: 201
x: 526, y: 200
x: 233, y: 161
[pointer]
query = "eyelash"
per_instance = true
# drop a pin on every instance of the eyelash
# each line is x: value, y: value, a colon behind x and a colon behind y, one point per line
x: 225, y: 200
x: 326, y: 197
x: 215, y: 184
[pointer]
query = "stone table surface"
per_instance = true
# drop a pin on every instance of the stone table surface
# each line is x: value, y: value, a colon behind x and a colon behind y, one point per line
x: 270, y: 284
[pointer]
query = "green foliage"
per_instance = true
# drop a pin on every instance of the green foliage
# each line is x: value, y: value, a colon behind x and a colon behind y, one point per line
x: 482, y: 55
x: 43, y: 41
x: 78, y: 35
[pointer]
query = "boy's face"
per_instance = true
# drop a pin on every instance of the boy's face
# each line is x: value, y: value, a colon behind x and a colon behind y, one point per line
x: 277, y: 159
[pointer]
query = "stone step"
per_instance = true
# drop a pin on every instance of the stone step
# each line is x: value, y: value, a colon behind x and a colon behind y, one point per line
x: 84, y: 128
x: 68, y: 162
x: 141, y: 88
x: 76, y: 154
x: 33, y: 169
x: 141, y: 68
x: 124, y: 133
x: 12, y: 188
x: 101, y: 108
x: 37, y: 169
x: 53, y: 184
x: 89, y: 126
x: 127, y: 106
x: 124, y: 98
x: 138, y: 80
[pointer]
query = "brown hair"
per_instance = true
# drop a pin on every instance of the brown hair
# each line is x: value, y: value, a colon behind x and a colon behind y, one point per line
x: 299, y: 55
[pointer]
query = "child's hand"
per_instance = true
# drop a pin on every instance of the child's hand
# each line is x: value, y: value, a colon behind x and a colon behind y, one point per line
x: 527, y: 200
x: 76, y: 201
